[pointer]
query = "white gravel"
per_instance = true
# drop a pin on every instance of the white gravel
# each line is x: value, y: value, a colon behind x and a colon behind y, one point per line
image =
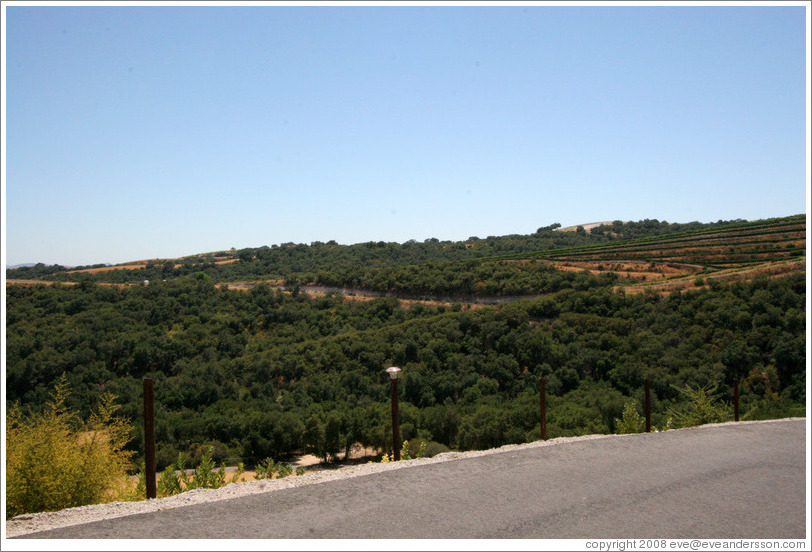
x: 30, y: 523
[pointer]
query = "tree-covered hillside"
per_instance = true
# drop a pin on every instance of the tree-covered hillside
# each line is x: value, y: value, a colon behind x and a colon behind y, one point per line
x: 298, y: 261
x: 267, y: 373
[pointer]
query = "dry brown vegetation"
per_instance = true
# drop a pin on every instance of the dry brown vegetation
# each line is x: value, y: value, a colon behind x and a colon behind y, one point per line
x: 771, y: 270
x: 636, y: 270
x: 61, y: 283
x: 693, y: 259
x: 666, y: 277
x: 97, y: 270
x: 134, y: 265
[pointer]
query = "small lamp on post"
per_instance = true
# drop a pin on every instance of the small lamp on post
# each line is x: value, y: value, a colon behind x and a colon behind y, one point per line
x: 394, y: 372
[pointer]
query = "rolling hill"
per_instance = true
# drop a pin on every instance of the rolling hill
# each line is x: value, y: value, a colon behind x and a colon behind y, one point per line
x: 667, y: 258
x: 676, y: 261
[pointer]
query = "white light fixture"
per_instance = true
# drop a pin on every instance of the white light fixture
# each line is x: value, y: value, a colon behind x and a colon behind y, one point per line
x: 393, y: 372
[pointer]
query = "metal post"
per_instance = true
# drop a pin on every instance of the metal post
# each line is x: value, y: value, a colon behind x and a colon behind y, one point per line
x: 648, y: 406
x: 395, y: 422
x: 736, y: 399
x: 543, y: 404
x: 149, y: 439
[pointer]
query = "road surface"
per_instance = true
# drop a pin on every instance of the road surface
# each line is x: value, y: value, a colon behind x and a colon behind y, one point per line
x: 744, y: 480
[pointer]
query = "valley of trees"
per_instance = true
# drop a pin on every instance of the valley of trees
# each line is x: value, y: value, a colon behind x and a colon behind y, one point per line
x: 266, y: 373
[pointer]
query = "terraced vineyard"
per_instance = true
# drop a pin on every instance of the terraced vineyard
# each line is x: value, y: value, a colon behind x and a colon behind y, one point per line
x: 773, y: 246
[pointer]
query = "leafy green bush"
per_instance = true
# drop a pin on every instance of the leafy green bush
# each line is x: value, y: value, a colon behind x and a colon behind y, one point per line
x: 433, y: 448
x: 265, y: 469
x: 631, y: 421
x: 268, y: 469
x: 207, y: 475
x: 413, y: 450
x: 704, y: 406
x: 56, y: 461
x: 175, y: 479
x: 170, y: 482
x: 283, y: 470
x: 772, y: 408
x: 408, y: 451
x: 238, y: 474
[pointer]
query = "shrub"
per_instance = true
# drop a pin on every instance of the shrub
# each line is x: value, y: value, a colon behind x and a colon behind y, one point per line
x: 408, y: 451
x: 55, y: 461
x: 237, y: 477
x: 170, y: 481
x: 704, y: 406
x: 631, y: 421
x: 413, y: 450
x: 283, y: 470
x: 433, y: 448
x: 174, y: 479
x: 773, y: 408
x: 268, y: 469
x: 265, y: 469
x: 207, y: 476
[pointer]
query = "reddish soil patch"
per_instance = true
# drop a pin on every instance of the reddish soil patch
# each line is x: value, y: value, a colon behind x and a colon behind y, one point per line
x: 128, y: 266
x: 636, y: 270
x: 771, y: 270
x: 34, y: 283
x: 50, y: 283
x: 143, y: 264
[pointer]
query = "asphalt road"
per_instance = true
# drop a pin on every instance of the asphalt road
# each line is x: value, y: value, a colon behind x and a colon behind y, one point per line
x: 731, y: 481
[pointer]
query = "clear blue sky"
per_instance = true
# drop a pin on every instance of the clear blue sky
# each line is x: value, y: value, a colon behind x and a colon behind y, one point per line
x: 145, y: 132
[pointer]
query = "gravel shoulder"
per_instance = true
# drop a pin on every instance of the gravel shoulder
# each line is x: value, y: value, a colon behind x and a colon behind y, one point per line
x: 31, y: 523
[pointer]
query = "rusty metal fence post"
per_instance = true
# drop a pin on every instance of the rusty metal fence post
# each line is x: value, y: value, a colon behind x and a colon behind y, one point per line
x: 736, y: 399
x: 543, y: 406
x: 149, y: 439
x: 648, y: 406
x: 395, y: 422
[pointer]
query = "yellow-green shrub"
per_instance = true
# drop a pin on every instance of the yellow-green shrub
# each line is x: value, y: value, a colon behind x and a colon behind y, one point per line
x: 631, y: 421
x: 56, y: 461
